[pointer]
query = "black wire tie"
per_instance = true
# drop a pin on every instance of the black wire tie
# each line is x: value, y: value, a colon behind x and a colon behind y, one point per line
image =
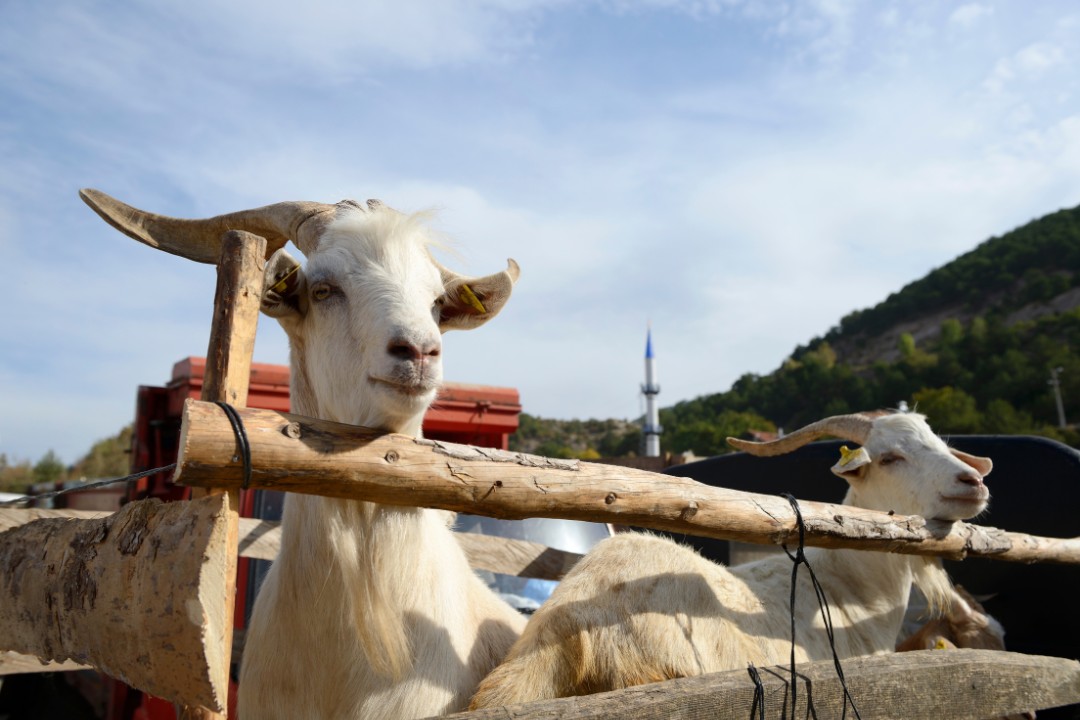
x: 759, y: 693
x: 241, y: 439
x: 799, y: 558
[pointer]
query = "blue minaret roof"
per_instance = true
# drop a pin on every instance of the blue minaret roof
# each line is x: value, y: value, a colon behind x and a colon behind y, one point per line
x: 648, y: 344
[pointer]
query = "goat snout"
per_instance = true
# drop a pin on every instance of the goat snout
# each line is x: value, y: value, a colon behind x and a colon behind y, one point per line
x: 969, y: 478
x: 405, y: 349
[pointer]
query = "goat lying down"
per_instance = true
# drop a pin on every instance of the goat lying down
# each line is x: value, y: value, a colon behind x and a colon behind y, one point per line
x: 640, y: 608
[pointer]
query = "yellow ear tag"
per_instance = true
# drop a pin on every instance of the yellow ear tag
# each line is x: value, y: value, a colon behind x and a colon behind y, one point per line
x: 281, y: 285
x: 940, y: 644
x: 847, y: 455
x: 467, y: 296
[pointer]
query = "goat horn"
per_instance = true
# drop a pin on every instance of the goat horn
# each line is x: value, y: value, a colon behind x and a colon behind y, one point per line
x: 855, y: 428
x: 200, y: 240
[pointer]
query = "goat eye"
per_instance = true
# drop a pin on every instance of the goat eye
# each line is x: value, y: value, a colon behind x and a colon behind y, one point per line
x: 321, y: 292
x: 891, y: 458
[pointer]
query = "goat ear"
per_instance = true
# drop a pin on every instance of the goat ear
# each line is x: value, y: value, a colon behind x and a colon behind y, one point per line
x: 982, y: 465
x: 467, y: 303
x: 852, y: 464
x: 284, y: 287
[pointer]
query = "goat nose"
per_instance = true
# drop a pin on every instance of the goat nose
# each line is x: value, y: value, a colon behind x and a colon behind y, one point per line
x: 404, y: 349
x: 969, y: 478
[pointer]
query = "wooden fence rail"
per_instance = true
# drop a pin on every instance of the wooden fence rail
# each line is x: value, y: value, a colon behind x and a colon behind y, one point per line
x: 301, y: 454
x: 924, y: 685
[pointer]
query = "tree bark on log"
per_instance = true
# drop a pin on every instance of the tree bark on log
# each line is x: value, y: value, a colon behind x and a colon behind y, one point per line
x: 301, y: 454
x: 922, y: 685
x: 138, y: 594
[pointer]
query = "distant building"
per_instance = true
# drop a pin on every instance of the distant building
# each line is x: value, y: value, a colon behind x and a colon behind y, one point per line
x: 651, y: 389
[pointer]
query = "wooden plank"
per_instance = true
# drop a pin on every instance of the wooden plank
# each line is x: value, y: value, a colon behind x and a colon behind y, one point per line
x: 300, y: 454
x: 228, y: 371
x: 516, y: 557
x: 261, y: 540
x: 922, y: 685
x: 132, y: 594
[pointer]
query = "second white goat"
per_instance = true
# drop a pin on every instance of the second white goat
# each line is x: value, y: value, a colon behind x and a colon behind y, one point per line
x: 640, y: 608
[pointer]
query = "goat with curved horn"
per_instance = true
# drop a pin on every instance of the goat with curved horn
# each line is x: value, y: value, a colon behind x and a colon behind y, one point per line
x: 640, y: 608
x: 384, y: 596
x: 855, y: 428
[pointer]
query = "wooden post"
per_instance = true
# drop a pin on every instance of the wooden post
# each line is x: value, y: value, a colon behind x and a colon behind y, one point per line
x: 236, y: 316
x: 228, y: 373
x: 306, y: 455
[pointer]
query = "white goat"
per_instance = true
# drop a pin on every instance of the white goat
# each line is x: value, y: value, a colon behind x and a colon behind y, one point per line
x: 640, y: 608
x: 370, y: 611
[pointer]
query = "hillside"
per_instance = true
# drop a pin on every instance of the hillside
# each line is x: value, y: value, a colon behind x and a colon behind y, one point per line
x: 1031, y: 271
x: 972, y: 345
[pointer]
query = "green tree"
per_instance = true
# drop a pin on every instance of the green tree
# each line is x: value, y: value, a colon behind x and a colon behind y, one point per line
x: 1001, y: 417
x: 952, y: 332
x: 49, y: 468
x: 552, y: 449
x: 948, y: 409
x: 620, y: 444
x: 15, y: 476
x: 709, y: 437
x: 107, y: 458
x: 977, y: 332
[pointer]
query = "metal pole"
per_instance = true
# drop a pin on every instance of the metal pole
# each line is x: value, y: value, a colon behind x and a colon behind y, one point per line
x: 1055, y: 383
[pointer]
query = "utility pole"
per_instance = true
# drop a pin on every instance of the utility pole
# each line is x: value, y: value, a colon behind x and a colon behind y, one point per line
x: 1055, y: 383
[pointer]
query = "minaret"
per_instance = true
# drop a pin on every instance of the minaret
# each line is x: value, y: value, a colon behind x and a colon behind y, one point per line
x: 652, y: 427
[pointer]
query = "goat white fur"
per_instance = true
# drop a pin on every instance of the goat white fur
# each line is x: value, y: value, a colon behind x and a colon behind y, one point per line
x: 640, y: 608
x: 370, y: 611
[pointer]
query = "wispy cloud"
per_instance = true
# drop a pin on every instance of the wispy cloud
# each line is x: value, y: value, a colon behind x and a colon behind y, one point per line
x: 969, y: 14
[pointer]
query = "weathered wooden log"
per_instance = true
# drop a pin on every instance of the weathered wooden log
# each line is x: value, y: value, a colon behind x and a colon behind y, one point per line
x: 228, y: 374
x: 923, y: 685
x: 305, y: 455
x: 261, y: 540
x: 138, y: 594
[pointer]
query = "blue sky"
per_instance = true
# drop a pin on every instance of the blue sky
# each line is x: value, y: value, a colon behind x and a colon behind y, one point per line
x: 740, y: 173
